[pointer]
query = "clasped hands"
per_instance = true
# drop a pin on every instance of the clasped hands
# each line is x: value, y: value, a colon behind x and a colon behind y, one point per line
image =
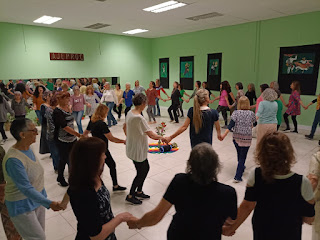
x: 166, y: 140
x: 58, y: 206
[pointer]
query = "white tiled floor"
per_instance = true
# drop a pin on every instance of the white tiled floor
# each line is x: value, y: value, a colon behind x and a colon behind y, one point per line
x: 62, y: 225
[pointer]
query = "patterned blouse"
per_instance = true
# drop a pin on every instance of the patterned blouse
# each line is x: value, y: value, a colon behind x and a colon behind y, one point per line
x: 243, y: 120
x: 294, y: 104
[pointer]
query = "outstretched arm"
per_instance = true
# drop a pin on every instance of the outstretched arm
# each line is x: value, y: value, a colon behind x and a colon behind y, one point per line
x: 179, y: 131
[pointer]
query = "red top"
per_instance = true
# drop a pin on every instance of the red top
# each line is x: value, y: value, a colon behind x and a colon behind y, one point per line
x: 160, y: 88
x: 152, y: 95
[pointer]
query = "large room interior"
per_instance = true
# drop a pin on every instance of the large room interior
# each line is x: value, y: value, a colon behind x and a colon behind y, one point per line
x: 248, y: 33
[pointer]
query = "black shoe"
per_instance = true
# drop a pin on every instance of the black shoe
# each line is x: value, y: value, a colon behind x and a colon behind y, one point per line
x: 308, y: 137
x: 133, y: 200
x: 286, y: 130
x: 119, y: 188
x: 294, y: 131
x: 62, y: 182
x: 319, y: 142
x: 141, y: 195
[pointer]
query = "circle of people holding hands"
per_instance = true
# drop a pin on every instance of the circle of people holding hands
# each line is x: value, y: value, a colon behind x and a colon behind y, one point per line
x: 205, y: 208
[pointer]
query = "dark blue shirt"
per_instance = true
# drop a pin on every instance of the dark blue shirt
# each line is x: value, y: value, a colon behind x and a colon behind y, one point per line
x: 128, y: 97
x: 209, y: 117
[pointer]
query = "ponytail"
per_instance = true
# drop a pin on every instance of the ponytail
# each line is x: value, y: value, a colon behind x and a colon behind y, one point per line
x: 199, y: 99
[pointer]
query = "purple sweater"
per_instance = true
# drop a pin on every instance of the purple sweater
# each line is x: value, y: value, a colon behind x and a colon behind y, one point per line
x: 77, y: 103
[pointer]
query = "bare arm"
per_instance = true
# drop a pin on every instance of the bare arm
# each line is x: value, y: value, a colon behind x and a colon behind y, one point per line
x: 114, y: 139
x: 151, y: 218
x: 124, y: 128
x: 181, y: 129
x: 71, y: 131
x: 153, y: 135
x: 314, y: 180
x: 110, y: 226
x: 282, y: 100
x: 217, y: 125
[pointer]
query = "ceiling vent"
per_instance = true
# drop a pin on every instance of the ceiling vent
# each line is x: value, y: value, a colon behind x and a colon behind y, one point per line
x: 205, y: 16
x: 97, y: 26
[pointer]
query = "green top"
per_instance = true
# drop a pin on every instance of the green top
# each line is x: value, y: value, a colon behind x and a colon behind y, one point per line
x: 181, y: 94
x: 279, y: 112
x: 50, y: 86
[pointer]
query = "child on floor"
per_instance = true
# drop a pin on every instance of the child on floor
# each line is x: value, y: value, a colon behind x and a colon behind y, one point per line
x: 316, y: 120
x: 293, y: 107
x: 242, y: 121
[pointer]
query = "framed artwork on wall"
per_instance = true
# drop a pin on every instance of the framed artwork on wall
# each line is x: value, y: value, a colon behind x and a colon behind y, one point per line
x: 164, y: 72
x: 214, y: 71
x: 187, y: 72
x: 300, y: 63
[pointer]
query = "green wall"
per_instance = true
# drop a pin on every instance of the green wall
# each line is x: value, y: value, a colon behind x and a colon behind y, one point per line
x: 250, y: 51
x: 24, y: 53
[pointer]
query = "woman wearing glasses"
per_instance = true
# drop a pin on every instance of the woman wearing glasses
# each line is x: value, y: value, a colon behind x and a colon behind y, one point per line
x: 25, y: 195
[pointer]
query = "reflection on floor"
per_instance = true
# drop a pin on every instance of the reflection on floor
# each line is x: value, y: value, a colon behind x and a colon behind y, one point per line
x: 63, y: 225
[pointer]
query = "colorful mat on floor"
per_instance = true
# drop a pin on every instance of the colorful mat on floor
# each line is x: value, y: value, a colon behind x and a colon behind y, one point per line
x: 154, y: 148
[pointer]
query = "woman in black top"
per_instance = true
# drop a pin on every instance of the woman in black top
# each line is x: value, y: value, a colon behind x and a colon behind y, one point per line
x: 281, y: 199
x: 175, y: 98
x: 99, y: 129
x: 202, y: 203
x: 89, y: 198
x: 44, y: 147
x: 64, y: 134
x: 251, y: 94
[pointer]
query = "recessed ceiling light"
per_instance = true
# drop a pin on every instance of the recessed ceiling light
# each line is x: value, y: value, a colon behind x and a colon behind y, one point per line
x: 161, y: 5
x: 135, y: 31
x: 166, y: 6
x: 47, y: 19
x: 169, y: 7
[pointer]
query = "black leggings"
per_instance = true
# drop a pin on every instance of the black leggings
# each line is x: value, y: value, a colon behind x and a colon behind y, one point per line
x: 127, y: 110
x: 142, y: 172
x: 173, y: 108
x: 180, y: 107
x: 112, y: 166
x: 64, y: 152
x: 294, y: 120
x: 3, y: 133
x: 118, y: 111
x: 223, y: 110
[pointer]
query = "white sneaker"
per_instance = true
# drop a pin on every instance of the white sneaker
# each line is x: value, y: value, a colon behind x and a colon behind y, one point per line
x: 236, y: 181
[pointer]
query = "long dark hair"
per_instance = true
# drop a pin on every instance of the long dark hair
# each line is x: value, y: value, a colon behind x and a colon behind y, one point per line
x: 153, y: 84
x: 226, y: 86
x: 85, y: 161
x: 1, y: 99
x: 36, y: 92
x: 20, y: 87
x: 199, y: 84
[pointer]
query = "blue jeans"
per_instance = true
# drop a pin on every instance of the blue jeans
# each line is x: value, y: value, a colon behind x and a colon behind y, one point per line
x: 78, y: 116
x: 39, y: 115
x: 158, y: 108
x: 315, y: 123
x: 110, y: 116
x: 242, y: 156
x: 54, y: 153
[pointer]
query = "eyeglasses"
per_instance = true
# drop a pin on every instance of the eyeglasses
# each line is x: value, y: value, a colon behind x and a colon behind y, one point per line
x: 32, y: 130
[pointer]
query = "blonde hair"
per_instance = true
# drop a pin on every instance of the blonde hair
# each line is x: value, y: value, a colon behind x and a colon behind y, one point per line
x: 88, y: 89
x: 243, y: 103
x: 200, y: 98
x: 100, y: 113
x: 252, y: 87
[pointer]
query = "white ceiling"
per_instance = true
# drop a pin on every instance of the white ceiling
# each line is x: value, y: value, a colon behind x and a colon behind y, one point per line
x: 125, y: 15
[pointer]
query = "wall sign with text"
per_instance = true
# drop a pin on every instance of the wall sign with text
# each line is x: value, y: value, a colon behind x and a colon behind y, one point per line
x: 67, y: 56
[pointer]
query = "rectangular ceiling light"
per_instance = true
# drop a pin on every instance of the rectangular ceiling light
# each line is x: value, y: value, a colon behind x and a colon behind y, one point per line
x: 135, y: 31
x: 174, y: 6
x: 161, y: 5
x: 47, y: 19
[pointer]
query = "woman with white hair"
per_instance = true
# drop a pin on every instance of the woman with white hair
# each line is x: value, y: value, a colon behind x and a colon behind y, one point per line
x: 267, y: 113
x: 127, y: 97
x: 110, y: 98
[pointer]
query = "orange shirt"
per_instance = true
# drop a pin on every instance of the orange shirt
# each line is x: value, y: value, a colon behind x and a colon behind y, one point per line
x: 26, y: 95
x: 38, y: 101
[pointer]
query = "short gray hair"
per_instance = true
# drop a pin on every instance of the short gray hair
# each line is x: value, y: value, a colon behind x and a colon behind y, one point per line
x: 269, y: 95
x: 17, y: 93
x: 76, y: 88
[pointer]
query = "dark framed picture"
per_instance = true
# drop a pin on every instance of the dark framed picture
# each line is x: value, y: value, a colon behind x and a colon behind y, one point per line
x: 187, y: 72
x: 300, y: 63
x: 214, y: 71
x: 164, y: 72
